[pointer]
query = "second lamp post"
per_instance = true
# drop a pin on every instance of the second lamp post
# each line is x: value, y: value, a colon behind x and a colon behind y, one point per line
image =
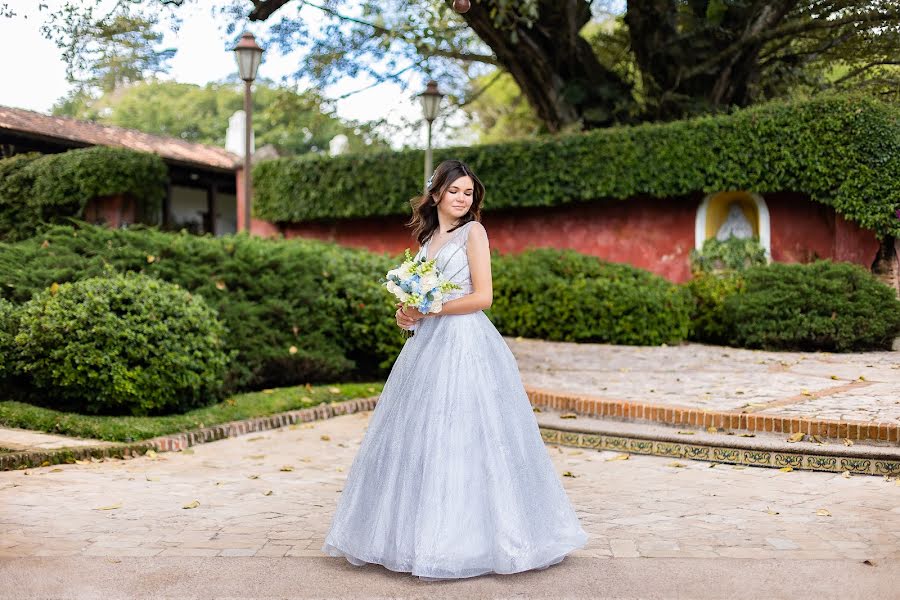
x: 431, y: 103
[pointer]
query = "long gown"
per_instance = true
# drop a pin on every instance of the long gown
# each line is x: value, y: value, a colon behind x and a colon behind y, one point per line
x: 452, y: 478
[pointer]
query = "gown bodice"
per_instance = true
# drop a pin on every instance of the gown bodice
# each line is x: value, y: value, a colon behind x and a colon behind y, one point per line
x: 453, y: 261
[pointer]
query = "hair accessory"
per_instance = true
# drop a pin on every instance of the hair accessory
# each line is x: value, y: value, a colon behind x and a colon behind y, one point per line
x: 428, y: 183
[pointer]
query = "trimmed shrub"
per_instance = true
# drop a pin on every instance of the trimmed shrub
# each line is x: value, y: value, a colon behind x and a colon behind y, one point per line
x: 292, y: 308
x: 842, y: 151
x: 710, y: 322
x: 566, y: 296
x: 39, y: 189
x: 818, y: 306
x: 123, y: 344
x: 8, y: 327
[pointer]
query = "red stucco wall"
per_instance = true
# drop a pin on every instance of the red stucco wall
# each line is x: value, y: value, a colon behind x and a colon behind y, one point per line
x: 653, y: 234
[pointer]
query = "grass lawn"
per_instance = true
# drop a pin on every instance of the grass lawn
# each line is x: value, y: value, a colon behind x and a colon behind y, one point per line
x: 127, y: 429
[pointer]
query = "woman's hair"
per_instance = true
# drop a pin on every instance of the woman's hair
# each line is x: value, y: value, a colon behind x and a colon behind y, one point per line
x: 425, y: 218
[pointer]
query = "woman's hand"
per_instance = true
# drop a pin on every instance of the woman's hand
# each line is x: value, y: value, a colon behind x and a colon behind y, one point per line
x: 407, y: 317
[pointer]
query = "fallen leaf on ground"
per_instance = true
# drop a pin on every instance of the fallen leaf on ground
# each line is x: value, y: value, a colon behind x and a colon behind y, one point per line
x: 823, y: 512
x: 568, y: 474
x: 848, y: 442
x: 306, y: 459
x: 326, y: 438
x: 82, y: 462
x: 772, y: 512
x: 676, y: 464
x: 334, y: 390
x: 818, y: 439
x: 796, y: 437
x: 256, y: 438
x: 576, y: 452
x: 738, y: 467
x: 257, y: 456
x: 340, y: 469
x: 151, y: 454
x: 805, y: 393
x: 686, y: 432
x: 712, y: 430
x: 110, y: 507
x: 252, y: 476
x: 846, y: 474
x: 187, y: 451
x: 268, y: 391
x: 568, y: 416
x: 748, y: 435
x: 868, y: 562
x: 286, y: 468
x: 535, y: 409
x: 618, y: 457
x: 57, y: 470
x: 148, y: 478
x: 192, y: 504
x: 267, y: 493
x: 787, y: 469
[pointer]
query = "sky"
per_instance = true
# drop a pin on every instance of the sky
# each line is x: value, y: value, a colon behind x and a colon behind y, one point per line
x: 37, y: 79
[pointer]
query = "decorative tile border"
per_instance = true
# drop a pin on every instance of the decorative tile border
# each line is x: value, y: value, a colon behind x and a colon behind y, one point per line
x: 180, y: 441
x: 684, y: 416
x: 737, y: 456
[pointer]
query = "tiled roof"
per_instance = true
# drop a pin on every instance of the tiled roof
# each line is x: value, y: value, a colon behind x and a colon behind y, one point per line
x: 90, y: 133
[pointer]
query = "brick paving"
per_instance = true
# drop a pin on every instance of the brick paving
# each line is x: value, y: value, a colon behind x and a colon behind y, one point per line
x: 272, y: 494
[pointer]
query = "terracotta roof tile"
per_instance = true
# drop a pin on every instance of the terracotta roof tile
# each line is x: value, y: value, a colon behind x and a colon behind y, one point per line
x: 88, y: 132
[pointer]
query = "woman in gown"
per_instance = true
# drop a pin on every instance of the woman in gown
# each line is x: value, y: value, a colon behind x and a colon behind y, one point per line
x: 452, y: 478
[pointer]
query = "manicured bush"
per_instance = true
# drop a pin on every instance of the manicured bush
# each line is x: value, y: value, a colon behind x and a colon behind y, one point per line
x: 566, y: 296
x: 8, y: 327
x: 818, y: 306
x: 710, y: 322
x: 122, y: 344
x: 842, y: 151
x: 38, y: 189
x: 297, y: 311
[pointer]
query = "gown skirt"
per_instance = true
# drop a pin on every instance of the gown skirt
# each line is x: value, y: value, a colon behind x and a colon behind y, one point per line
x: 452, y: 478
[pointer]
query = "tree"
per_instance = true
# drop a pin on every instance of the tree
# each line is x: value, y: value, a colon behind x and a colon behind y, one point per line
x: 294, y: 123
x: 682, y: 56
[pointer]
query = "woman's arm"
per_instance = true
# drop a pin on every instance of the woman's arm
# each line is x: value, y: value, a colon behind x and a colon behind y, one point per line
x: 480, y: 267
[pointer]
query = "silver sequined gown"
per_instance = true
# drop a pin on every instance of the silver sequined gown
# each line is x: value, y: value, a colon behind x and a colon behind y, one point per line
x: 452, y: 478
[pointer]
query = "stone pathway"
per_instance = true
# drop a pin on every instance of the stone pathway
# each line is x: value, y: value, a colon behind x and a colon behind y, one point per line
x: 855, y: 387
x: 272, y: 494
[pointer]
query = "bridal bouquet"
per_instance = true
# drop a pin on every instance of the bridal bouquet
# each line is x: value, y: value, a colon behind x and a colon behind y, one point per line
x: 418, y: 284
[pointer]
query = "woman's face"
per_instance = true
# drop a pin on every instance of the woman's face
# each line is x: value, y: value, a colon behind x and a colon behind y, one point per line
x: 458, y: 198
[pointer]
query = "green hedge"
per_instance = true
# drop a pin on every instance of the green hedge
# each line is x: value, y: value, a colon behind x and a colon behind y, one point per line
x: 824, y: 306
x: 37, y: 189
x: 297, y: 311
x: 566, y: 296
x: 843, y: 151
x: 121, y: 344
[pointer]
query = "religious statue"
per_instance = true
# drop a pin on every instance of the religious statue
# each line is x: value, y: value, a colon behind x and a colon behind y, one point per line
x: 736, y: 224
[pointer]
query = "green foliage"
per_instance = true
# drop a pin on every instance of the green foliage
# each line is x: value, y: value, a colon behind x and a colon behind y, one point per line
x: 818, y: 306
x: 37, y: 189
x: 8, y: 326
x: 297, y: 311
x: 710, y: 322
x: 294, y: 123
x: 566, y: 296
x: 842, y: 151
x: 123, y: 344
x: 733, y: 254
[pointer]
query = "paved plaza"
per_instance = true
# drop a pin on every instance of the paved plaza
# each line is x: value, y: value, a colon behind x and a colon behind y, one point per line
x: 272, y: 495
x: 246, y: 517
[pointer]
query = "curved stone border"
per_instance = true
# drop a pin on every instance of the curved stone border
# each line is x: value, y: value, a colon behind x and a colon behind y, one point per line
x: 180, y: 441
x: 693, y: 417
x: 723, y: 454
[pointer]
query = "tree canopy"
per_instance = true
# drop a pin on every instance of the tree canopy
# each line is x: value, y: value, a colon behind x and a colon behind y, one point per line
x: 666, y: 59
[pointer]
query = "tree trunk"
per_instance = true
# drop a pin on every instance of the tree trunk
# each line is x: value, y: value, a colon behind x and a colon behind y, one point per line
x: 555, y: 67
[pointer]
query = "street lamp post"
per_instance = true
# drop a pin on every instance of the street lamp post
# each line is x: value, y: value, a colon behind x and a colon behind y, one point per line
x: 431, y: 103
x: 248, y: 55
